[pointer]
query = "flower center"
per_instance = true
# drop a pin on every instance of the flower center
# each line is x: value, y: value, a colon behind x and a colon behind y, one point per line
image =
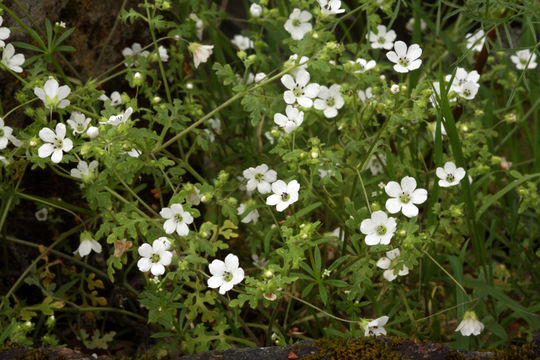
x: 2, y: 133
x: 296, y: 22
x: 298, y: 91
x: 227, y: 276
x: 404, y: 198
x: 330, y: 102
x: 178, y: 217
x: 523, y: 61
x: 450, y: 178
x: 467, y: 92
x: 58, y: 143
x: 381, y: 40
x: 381, y: 230
x: 403, y: 61
x: 155, y: 258
x: 259, y: 177
x: 80, y: 127
x: 285, y: 196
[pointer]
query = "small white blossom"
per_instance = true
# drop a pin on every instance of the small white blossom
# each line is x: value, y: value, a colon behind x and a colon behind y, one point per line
x: 225, y: 274
x: 42, y: 214
x: 299, y: 90
x: 242, y: 42
x: 116, y: 120
x: 92, y: 132
x: 3, y: 160
x: 378, y: 229
x: 78, y: 122
x: 259, y: 76
x: 53, y: 95
x: 198, y: 25
x: 6, y: 135
x: 410, y: 25
x: 303, y: 63
x: 362, y: 65
x: 383, y: 39
x: 394, y: 89
x: 404, y: 197
x: 283, y: 194
x: 330, y: 7
x: 329, y: 100
x: 405, y: 58
x: 523, y: 59
x: 475, y: 41
x: 55, y: 143
x: 385, y: 263
x: 260, y: 178
x: 450, y: 175
x: 365, y: 95
x: 298, y: 24
x: 255, y: 10
x: 462, y: 77
x: 376, y: 327
x: 376, y: 164
x: 84, y: 170
x: 4, y: 33
x: 470, y: 325
x: 87, y: 245
x: 115, y: 99
x: 177, y: 220
x: 155, y: 257
x: 252, y: 216
x: 129, y: 52
x: 290, y: 122
x: 11, y: 60
x: 468, y: 90
x: 201, y: 53
x: 163, y: 55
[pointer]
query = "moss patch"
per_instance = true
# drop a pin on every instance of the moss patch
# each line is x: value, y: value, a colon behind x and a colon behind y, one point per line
x: 367, y: 348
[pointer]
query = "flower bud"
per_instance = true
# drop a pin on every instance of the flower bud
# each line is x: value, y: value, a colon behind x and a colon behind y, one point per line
x: 138, y: 79
x: 92, y: 132
x: 402, y: 233
x: 394, y: 89
x: 189, y: 86
x: 268, y: 274
x: 255, y: 10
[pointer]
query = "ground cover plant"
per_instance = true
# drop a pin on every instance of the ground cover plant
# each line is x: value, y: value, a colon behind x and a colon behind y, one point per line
x: 273, y: 171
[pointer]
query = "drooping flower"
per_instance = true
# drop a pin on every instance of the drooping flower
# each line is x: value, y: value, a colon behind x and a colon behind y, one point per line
x: 386, y: 263
x: 330, y: 7
x: 116, y: 120
x: 252, y: 216
x: 255, y: 10
x: 11, y: 60
x: 55, y: 143
x: 84, y: 170
x: 87, y: 245
x: 130, y: 53
x: 299, y: 90
x: 115, y: 99
x: 4, y: 33
x: 260, y: 178
x: 298, y: 24
x: 405, y: 58
x: 362, y: 65
x: 470, y: 325
x: 523, y: 59
x: 283, y: 194
x: 290, y: 122
x: 78, y: 122
x: 155, y: 257
x: 450, y: 175
x: 365, y: 95
x: 177, y: 219
x: 378, y: 229
x: 53, y: 95
x: 302, y: 62
x: 199, y: 25
x: 242, y: 42
x: 475, y: 41
x: 383, y: 39
x: 200, y: 53
x: 404, y: 197
x: 376, y: 327
x: 225, y: 274
x: 6, y: 134
x: 376, y: 164
x: 329, y: 100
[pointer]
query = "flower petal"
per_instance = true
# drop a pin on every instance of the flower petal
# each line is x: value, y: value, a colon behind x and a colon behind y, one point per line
x: 146, y: 250
x: 215, y: 282
x: 408, y: 184
x: 231, y: 262
x: 45, y: 150
x: 409, y: 210
x: 393, y: 189
x: 217, y: 268
x: 393, y: 205
x: 144, y: 264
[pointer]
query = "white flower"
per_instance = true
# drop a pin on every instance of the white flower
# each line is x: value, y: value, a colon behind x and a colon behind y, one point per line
x: 134, y: 153
x: 433, y: 127
x: 299, y: 90
x: 201, y: 53
x: 385, y: 263
x: 260, y: 178
x: 329, y: 100
x: 242, y: 42
x: 379, y: 228
x: 475, y: 41
x: 6, y: 134
x: 365, y: 95
x: 394, y: 89
x: 330, y: 7
x: 376, y: 327
x: 225, y: 274
x: 42, y: 214
x: 92, y: 132
x: 135, y: 49
x: 376, y: 164
x: 383, y: 39
x: 11, y: 60
x: 53, y: 95
x: 215, y: 124
x: 259, y: 76
x: 405, y: 59
x: 87, y: 245
x: 290, y: 122
x: 4, y: 33
x: 324, y: 173
x: 470, y: 324
x: 462, y: 77
x: 468, y: 90
x: 198, y: 25
x: 78, y: 122
x: 163, y: 55
x: 60, y: 24
x: 56, y: 143
x: 523, y: 59
x: 116, y: 98
x: 363, y: 65
x: 83, y: 170
x: 155, y: 257
x: 450, y: 175
x: 177, y: 219
x: 298, y: 24
x: 252, y: 216
x: 283, y: 194
x: 303, y: 63
x: 116, y: 120
x: 410, y: 25
x: 4, y: 160
x: 255, y: 10
x: 404, y: 197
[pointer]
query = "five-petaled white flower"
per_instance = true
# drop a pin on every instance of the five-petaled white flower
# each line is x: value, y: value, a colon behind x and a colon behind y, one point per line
x: 362, y: 65
x: 78, y: 122
x: 87, y: 245
x: 55, y: 143
x: 84, y: 170
x: 52, y: 95
x: 329, y: 100
x: 130, y: 53
x: 376, y: 164
x: 379, y: 228
x: 475, y: 41
x: 116, y: 120
x: 260, y: 178
x: 405, y: 59
x: 298, y: 89
x: 376, y: 327
x: 255, y: 10
x: 468, y: 90
x: 330, y: 7
x: 404, y: 197
x: 365, y: 95
x: 6, y: 134
x: 290, y: 122
x: 450, y: 175
x: 225, y: 274
x: 201, y: 53
x: 177, y: 219
x: 383, y: 39
x: 298, y: 24
x: 163, y: 54
x: 386, y: 263
x: 4, y: 33
x: 283, y: 194
x: 115, y: 99
x: 470, y: 325
x: 11, y: 60
x: 523, y: 59
x: 242, y: 42
x: 252, y: 216
x: 155, y: 257
x: 462, y: 77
